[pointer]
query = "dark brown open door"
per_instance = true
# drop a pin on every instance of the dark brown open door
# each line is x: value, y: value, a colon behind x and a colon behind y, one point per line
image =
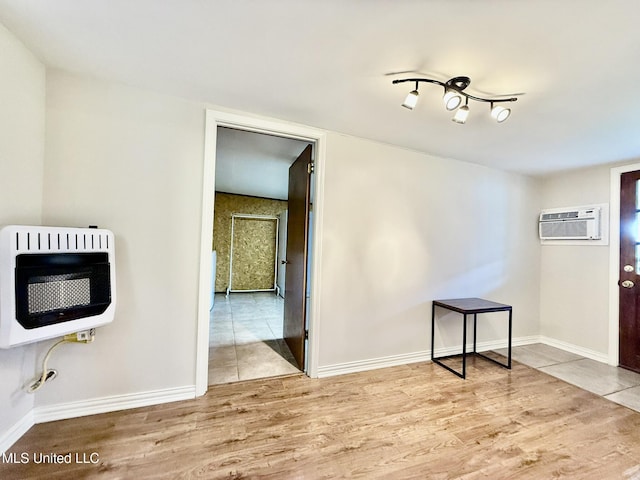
x: 295, y: 297
x: 629, y: 333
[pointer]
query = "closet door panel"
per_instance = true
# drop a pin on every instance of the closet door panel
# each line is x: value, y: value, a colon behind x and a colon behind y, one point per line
x: 254, y: 254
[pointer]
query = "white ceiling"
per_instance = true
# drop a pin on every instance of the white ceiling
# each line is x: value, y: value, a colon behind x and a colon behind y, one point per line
x: 254, y: 164
x: 330, y: 63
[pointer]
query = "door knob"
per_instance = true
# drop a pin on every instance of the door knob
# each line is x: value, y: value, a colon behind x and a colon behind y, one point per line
x: 627, y: 284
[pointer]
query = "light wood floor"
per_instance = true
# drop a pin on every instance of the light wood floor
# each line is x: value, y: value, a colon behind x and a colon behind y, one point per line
x: 413, y: 421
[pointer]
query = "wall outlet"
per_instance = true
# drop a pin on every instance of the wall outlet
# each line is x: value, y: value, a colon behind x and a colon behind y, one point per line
x: 86, y: 335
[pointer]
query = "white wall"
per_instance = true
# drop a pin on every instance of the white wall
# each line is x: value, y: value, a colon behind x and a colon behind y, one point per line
x: 402, y: 228
x: 22, y: 122
x: 130, y: 161
x: 574, y: 292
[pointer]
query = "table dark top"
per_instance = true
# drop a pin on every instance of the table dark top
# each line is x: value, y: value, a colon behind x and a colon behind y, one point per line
x: 471, y: 305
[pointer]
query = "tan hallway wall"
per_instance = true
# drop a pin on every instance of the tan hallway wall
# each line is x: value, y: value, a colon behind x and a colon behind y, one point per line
x: 253, y: 232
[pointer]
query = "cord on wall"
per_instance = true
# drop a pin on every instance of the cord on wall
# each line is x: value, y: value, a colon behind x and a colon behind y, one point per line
x: 85, y: 336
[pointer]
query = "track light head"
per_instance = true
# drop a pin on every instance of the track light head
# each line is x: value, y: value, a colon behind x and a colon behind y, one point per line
x: 452, y: 99
x: 499, y: 113
x: 461, y: 115
x: 411, y: 100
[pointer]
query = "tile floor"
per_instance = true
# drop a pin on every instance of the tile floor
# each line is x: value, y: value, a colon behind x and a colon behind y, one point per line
x: 614, y: 383
x: 245, y: 338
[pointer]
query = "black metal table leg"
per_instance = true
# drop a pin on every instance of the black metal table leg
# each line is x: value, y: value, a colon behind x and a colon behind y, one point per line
x: 437, y: 360
x: 464, y: 347
x: 510, y: 332
x: 433, y: 328
x: 505, y: 365
x: 475, y: 329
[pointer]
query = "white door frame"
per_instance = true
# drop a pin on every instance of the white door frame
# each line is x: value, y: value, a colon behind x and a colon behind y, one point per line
x: 215, y: 119
x: 614, y: 260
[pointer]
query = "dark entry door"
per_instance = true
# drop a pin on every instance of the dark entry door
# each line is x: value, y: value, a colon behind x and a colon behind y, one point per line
x: 295, y: 298
x: 629, y: 284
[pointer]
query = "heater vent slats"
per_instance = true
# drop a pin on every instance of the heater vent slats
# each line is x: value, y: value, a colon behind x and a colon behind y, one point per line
x: 34, y: 241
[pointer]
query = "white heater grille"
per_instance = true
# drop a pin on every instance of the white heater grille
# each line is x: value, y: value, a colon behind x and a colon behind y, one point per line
x: 54, y: 281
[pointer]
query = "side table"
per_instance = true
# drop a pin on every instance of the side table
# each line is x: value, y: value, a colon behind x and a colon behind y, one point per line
x: 469, y: 306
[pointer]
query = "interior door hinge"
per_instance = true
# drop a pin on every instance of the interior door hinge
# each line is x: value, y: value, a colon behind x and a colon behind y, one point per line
x: 310, y: 167
x: 306, y: 334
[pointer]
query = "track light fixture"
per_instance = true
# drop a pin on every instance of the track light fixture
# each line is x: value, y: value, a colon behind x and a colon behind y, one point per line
x: 451, y: 99
x: 453, y: 95
x: 412, y: 99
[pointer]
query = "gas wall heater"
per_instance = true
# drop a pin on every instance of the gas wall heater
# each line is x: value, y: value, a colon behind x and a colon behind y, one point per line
x: 54, y: 281
x: 575, y: 224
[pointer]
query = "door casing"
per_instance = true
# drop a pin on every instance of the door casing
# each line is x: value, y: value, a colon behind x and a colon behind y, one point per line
x: 213, y: 120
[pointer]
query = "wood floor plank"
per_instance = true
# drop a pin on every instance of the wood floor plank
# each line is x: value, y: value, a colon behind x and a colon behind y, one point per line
x: 412, y: 421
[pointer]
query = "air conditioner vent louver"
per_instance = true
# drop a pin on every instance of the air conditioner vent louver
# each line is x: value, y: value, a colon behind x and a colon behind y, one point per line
x: 558, y: 215
x: 563, y: 229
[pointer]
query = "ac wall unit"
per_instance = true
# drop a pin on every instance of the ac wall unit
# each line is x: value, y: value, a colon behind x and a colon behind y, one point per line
x: 576, y: 224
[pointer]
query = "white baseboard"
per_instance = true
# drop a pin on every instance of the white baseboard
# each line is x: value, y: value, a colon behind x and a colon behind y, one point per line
x: 93, y: 406
x: 569, y: 347
x: 520, y: 341
x: 372, y: 364
x: 423, y: 356
x: 113, y: 403
x: 490, y: 345
x: 11, y: 436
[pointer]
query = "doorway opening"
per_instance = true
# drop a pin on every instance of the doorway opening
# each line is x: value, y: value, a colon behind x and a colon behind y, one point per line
x: 246, y: 322
x: 247, y: 336
x: 315, y: 136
